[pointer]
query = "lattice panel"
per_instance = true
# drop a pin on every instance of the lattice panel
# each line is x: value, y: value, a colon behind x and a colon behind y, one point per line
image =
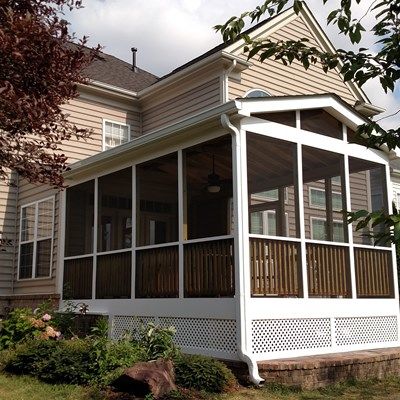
x: 125, y: 324
x: 199, y: 333
x: 204, y: 333
x: 272, y: 335
x: 362, y: 330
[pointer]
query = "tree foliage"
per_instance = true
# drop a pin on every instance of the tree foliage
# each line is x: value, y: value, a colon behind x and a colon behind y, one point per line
x: 41, y: 64
x: 359, y: 66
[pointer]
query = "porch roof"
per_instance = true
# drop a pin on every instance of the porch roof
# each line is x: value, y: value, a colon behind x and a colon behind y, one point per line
x: 241, y: 107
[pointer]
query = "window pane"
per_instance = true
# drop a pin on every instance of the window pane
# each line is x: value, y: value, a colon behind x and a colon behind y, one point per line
x: 324, y: 199
x: 271, y: 166
x: 79, y: 219
x: 115, y: 134
x: 208, y: 175
x: 115, y: 211
x: 28, y: 223
x: 320, y: 121
x: 43, y: 256
x: 368, y: 192
x: 157, y: 200
x: 26, y: 261
x: 318, y: 229
x: 45, y: 219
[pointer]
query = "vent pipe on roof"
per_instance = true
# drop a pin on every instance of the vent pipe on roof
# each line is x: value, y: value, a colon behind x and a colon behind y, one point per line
x: 134, y: 67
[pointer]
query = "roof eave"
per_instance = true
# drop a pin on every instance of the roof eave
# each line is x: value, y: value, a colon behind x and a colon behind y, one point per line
x: 102, y: 87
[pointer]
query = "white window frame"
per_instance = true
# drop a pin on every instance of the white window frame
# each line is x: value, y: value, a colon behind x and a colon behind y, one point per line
x: 316, y: 206
x: 113, y: 122
x: 258, y: 197
x: 35, y: 239
x: 337, y: 221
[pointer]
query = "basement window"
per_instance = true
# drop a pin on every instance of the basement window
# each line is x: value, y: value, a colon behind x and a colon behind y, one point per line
x: 36, y: 239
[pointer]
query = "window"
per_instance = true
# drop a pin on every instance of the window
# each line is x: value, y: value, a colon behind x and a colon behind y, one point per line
x: 319, y: 230
x: 264, y: 222
x: 318, y: 200
x: 115, y: 134
x: 36, y: 237
x: 257, y: 93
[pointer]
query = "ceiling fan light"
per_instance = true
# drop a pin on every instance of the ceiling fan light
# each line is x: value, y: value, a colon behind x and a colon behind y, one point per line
x: 213, y: 188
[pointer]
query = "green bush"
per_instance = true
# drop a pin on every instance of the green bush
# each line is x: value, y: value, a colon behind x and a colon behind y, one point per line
x: 78, y: 361
x: 203, y: 373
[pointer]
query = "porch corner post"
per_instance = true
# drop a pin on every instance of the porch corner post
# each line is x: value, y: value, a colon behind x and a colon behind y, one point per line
x: 61, y: 243
x: 241, y: 248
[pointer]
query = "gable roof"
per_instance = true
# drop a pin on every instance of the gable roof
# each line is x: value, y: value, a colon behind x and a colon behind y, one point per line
x: 113, y: 71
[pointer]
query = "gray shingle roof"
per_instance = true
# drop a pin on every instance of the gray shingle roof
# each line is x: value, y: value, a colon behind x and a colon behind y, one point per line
x: 113, y: 71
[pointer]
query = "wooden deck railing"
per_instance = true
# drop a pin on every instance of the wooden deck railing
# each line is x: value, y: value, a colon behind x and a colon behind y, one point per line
x: 113, y: 277
x: 157, y: 272
x: 275, y: 267
x: 78, y: 275
x: 374, y: 275
x: 328, y: 270
x: 209, y: 269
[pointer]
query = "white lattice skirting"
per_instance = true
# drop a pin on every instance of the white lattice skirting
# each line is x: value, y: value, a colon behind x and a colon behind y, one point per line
x: 280, y: 335
x: 200, y: 335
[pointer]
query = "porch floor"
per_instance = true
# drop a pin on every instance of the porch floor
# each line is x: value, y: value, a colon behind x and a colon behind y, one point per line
x: 321, y: 370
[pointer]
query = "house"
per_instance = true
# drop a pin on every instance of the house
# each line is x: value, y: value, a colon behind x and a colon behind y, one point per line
x: 210, y: 199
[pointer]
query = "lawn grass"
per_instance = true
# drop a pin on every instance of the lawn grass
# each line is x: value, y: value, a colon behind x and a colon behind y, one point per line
x: 27, y: 388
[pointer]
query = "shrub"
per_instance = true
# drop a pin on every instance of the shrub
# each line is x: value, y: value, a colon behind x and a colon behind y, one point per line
x: 157, y: 341
x: 203, y: 373
x: 66, y: 361
x: 24, y: 324
x: 78, y: 361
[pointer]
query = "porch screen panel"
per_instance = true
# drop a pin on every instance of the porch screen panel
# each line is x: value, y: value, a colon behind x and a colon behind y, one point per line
x: 79, y: 219
x: 113, y: 277
x: 320, y: 121
x: 157, y: 201
x: 272, y: 186
x: 157, y: 272
x: 115, y: 211
x: 78, y: 275
x: 324, y: 195
x: 208, y: 189
x: 368, y: 192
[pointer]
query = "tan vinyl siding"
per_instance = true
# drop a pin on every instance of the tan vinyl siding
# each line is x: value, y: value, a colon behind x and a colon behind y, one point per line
x: 29, y: 193
x: 280, y: 80
x: 182, y: 106
x: 85, y: 113
x: 8, y: 199
x: 89, y: 114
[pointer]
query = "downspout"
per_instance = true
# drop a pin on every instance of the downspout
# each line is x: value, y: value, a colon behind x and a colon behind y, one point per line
x: 16, y: 235
x: 243, y: 353
x: 225, y: 90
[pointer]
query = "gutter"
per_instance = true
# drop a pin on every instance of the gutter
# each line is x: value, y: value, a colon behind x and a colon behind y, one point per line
x: 241, y: 300
x: 111, y: 89
x: 225, y: 78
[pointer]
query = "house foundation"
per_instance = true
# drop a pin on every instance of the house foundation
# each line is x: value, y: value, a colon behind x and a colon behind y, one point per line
x: 319, y: 371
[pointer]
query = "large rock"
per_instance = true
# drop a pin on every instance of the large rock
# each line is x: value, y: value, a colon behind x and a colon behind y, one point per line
x: 156, y: 377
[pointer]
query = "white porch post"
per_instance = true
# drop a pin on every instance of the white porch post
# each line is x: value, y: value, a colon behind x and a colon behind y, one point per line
x: 181, y: 232
x: 95, y: 229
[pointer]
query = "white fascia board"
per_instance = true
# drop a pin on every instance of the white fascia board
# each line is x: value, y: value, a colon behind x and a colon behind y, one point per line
x: 326, y: 101
x: 368, y: 109
x: 109, y: 89
x: 99, y: 158
x: 192, y: 69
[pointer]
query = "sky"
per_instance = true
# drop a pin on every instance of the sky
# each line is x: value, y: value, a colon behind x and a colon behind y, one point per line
x: 169, y: 33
